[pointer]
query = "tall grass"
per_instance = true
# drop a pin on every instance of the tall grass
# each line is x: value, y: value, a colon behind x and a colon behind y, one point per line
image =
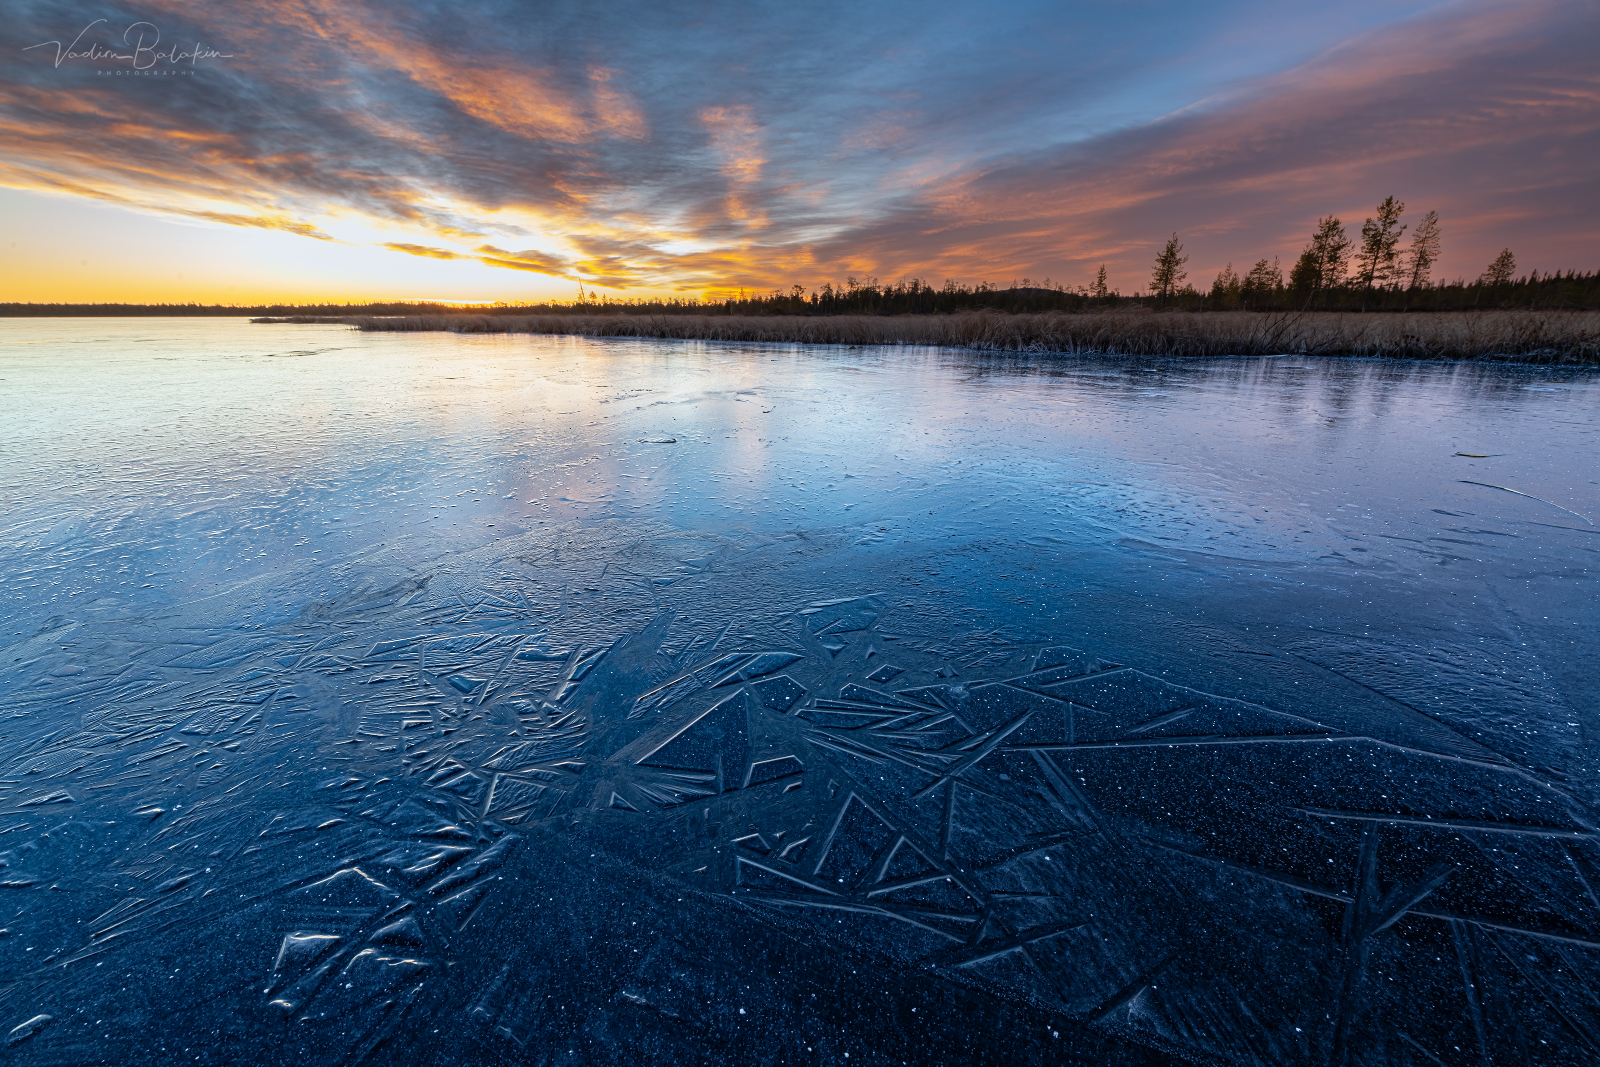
x: 1536, y: 336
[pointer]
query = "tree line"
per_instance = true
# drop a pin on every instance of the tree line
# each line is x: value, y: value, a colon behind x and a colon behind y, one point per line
x: 1373, y: 271
x: 1257, y: 289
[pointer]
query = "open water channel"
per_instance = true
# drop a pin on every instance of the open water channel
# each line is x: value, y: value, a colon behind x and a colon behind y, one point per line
x: 438, y: 699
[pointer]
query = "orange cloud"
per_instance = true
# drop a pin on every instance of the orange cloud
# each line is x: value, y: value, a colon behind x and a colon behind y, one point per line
x: 304, y: 229
x: 531, y: 260
x: 737, y: 142
x: 502, y: 89
x: 423, y: 250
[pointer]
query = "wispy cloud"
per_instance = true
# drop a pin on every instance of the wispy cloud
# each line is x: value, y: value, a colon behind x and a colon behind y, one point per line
x: 423, y: 250
x: 532, y: 260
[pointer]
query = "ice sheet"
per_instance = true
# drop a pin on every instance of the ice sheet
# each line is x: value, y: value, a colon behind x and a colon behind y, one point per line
x: 453, y: 699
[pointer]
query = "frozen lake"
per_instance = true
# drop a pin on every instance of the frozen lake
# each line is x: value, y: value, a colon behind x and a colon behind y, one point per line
x: 443, y: 699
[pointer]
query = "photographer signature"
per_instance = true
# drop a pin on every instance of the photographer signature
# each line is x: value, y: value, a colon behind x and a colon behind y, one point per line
x: 142, y: 37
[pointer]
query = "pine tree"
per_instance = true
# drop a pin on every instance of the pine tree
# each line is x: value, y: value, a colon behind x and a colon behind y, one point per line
x: 1500, y: 271
x: 1424, y: 251
x: 1380, y: 240
x: 1262, y: 283
x: 1099, y: 290
x: 1225, y: 290
x: 1321, y: 267
x: 1168, y: 272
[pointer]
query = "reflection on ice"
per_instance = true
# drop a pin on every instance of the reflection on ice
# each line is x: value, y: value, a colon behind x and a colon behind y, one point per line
x: 502, y: 700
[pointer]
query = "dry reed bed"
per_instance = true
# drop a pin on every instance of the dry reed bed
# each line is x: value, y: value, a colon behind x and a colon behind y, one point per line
x: 1537, y: 336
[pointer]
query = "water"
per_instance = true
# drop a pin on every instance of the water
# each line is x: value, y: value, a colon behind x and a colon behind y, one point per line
x: 448, y: 699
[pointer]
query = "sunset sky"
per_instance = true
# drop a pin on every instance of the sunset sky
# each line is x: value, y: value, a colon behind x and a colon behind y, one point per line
x: 343, y: 150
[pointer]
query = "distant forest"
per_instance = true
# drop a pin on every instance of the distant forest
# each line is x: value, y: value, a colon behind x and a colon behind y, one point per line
x: 1370, y: 273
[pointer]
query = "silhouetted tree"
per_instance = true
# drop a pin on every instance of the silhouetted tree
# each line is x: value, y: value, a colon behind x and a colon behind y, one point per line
x: 1500, y: 271
x: 1099, y: 290
x: 1168, y: 272
x: 1424, y: 251
x: 1225, y: 290
x: 1306, y: 274
x: 1321, y: 267
x: 1261, y: 284
x: 1380, y: 240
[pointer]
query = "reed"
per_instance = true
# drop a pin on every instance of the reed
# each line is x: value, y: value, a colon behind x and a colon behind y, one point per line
x: 1523, y: 335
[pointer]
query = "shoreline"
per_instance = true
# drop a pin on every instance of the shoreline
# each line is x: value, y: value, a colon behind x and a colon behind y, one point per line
x: 1539, y: 337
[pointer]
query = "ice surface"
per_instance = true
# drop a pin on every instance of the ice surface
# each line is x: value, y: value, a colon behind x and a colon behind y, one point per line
x: 412, y: 701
